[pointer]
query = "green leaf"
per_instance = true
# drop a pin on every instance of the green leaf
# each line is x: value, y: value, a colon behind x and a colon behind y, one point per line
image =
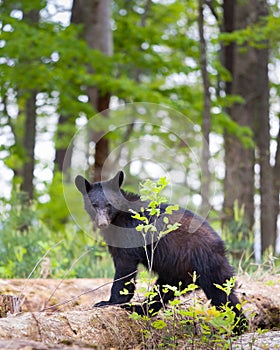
x: 159, y: 324
x: 171, y: 208
x: 124, y: 292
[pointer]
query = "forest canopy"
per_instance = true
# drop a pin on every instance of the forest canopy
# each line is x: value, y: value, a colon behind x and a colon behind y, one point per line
x: 188, y: 90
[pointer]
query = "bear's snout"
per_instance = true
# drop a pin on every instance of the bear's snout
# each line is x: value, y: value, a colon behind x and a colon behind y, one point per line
x: 102, y: 218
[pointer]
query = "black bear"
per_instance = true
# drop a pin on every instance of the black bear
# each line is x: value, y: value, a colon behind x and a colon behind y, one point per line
x: 177, y: 256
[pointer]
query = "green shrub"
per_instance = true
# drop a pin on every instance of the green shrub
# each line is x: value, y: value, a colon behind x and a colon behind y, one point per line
x: 28, y: 245
x: 239, y: 241
x: 200, y: 324
x: 197, y: 325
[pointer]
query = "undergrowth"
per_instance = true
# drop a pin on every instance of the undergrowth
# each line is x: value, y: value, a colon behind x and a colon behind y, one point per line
x: 188, y: 321
x: 197, y: 324
x: 27, y: 241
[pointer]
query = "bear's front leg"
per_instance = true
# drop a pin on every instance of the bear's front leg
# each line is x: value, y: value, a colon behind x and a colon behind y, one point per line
x: 102, y: 303
x: 123, y: 286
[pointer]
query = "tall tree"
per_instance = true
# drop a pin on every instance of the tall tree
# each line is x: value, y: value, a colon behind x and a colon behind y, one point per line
x: 29, y: 144
x: 62, y: 162
x: 248, y: 65
x: 63, y: 137
x: 268, y: 232
x: 239, y: 161
x: 95, y: 15
x: 29, y: 137
x: 276, y: 180
x: 206, y: 117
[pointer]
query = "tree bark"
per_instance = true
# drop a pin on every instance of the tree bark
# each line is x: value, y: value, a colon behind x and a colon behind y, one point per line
x: 29, y: 137
x: 228, y: 50
x: 96, y: 16
x: 206, y: 116
x: 73, y: 321
x: 102, y: 144
x: 239, y: 161
x: 29, y: 145
x: 9, y: 304
x: 112, y: 327
x: 276, y: 180
x: 61, y: 149
x: 268, y: 232
x: 248, y: 66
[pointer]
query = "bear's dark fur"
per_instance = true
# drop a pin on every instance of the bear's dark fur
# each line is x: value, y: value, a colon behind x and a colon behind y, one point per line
x: 177, y: 255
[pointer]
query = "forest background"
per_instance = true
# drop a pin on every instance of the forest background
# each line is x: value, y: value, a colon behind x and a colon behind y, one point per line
x: 178, y: 88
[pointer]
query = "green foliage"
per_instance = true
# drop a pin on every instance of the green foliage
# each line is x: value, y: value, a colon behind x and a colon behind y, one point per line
x: 197, y: 324
x: 49, y: 63
x: 258, y: 34
x: 157, y: 48
x: 58, y: 61
x: 239, y: 240
x: 26, y: 242
x: 54, y: 211
x: 224, y: 121
x: 151, y: 192
x: 22, y: 237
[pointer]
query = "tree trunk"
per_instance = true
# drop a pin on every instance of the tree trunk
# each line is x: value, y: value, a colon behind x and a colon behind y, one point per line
x: 249, y: 68
x: 96, y: 16
x: 276, y: 180
x: 29, y: 145
x: 239, y: 161
x: 268, y: 233
x: 206, y: 116
x: 62, y: 162
x: 29, y: 137
x: 102, y: 144
x: 61, y: 146
x: 72, y: 321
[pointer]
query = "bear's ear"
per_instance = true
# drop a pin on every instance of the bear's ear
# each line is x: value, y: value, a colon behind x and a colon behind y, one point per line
x: 117, y: 180
x: 82, y: 184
